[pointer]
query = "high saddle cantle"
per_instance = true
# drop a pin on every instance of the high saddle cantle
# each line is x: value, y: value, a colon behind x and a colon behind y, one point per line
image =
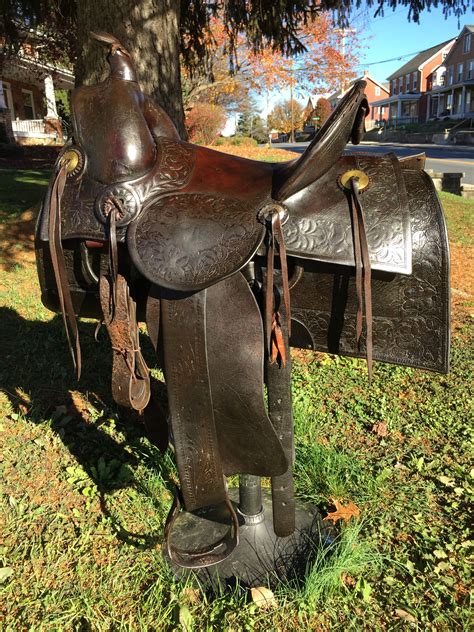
x: 230, y: 261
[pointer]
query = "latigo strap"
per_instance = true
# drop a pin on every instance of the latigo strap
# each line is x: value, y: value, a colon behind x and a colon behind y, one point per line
x: 130, y: 375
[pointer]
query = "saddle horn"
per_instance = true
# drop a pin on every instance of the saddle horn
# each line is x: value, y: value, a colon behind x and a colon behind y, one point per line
x: 345, y: 122
x: 120, y: 60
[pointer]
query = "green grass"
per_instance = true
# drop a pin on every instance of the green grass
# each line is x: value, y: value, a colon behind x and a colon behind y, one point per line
x: 20, y: 189
x: 84, y: 495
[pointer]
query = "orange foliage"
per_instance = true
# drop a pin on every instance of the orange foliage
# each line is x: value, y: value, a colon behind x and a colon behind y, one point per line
x: 322, y: 67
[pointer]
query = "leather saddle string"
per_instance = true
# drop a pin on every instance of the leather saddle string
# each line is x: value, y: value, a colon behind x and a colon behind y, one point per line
x: 113, y: 253
x: 273, y: 332
x: 269, y: 295
x: 59, y: 267
x: 363, y: 273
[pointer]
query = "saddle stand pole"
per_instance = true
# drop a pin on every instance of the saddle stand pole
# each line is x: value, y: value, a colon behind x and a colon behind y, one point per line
x: 261, y: 556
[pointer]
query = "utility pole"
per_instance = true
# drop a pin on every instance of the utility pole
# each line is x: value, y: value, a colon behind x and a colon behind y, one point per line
x: 292, y: 109
x: 343, y: 31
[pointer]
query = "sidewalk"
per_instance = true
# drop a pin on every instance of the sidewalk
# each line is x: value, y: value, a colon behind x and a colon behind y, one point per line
x: 468, y: 148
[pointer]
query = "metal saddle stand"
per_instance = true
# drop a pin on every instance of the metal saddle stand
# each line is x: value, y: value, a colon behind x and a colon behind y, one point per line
x: 230, y: 262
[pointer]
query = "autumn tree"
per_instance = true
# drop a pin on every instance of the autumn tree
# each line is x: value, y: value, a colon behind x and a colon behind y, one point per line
x: 287, y: 116
x: 205, y: 122
x: 161, y: 33
x: 322, y: 111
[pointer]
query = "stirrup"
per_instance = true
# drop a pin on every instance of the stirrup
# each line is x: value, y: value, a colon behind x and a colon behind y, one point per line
x: 200, y: 558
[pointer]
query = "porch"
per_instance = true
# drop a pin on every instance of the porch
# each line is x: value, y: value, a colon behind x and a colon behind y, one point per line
x: 28, y: 107
x: 403, y: 109
x: 455, y: 101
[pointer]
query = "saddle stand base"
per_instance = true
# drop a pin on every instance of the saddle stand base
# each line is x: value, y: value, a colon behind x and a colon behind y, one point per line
x: 261, y: 558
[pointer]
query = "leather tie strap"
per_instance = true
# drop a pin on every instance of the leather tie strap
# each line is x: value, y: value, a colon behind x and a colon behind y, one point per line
x: 59, y: 267
x: 363, y: 272
x: 274, y: 337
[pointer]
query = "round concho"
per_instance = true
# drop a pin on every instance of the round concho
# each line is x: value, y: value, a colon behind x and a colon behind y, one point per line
x: 119, y: 198
x: 74, y: 158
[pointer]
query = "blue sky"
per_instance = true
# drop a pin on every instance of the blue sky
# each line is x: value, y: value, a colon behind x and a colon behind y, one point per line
x: 386, y: 37
x: 393, y: 36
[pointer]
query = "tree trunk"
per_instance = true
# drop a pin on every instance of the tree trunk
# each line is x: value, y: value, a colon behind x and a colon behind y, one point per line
x: 150, y: 31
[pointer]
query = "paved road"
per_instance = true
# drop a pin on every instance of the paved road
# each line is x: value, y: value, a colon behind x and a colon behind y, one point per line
x: 439, y: 157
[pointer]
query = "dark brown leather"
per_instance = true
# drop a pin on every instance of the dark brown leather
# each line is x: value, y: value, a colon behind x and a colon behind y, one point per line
x: 130, y: 374
x: 178, y: 222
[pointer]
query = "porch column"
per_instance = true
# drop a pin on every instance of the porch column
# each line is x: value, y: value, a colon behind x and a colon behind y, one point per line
x: 452, y: 102
x: 399, y: 109
x: 3, y: 103
x: 463, y: 100
x: 52, y: 112
x: 428, y: 106
x: 439, y: 109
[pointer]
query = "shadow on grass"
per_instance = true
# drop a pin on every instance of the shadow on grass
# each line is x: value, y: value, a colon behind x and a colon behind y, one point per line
x: 37, y: 376
x: 21, y: 191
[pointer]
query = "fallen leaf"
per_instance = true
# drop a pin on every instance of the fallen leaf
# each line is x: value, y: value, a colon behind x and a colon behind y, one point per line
x: 380, y: 428
x: 263, y: 598
x: 5, y: 573
x: 192, y: 595
x: 185, y: 618
x: 348, y: 580
x: 406, y: 616
x: 343, y: 512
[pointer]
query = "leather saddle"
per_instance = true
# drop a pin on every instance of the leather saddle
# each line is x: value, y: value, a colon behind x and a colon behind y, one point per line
x: 230, y: 261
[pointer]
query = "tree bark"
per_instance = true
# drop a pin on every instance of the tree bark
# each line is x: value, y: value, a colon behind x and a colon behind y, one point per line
x: 150, y: 31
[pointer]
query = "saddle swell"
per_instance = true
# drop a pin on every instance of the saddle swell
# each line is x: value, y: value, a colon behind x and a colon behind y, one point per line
x: 229, y: 261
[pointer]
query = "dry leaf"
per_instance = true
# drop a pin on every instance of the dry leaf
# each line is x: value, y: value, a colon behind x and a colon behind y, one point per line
x: 380, y: 428
x: 348, y: 580
x: 343, y: 512
x: 192, y: 595
x: 263, y: 598
x: 406, y: 616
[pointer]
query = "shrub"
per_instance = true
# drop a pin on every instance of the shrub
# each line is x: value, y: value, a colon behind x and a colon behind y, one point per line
x: 205, y: 122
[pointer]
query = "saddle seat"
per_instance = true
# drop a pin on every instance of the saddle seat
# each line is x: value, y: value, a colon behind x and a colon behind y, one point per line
x: 190, y: 216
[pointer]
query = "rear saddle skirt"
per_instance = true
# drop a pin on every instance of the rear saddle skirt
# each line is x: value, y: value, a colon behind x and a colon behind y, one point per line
x: 211, y: 249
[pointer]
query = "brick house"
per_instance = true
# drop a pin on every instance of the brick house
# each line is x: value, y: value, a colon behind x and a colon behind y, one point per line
x: 28, y: 112
x: 408, y: 100
x: 374, y: 91
x: 451, y: 85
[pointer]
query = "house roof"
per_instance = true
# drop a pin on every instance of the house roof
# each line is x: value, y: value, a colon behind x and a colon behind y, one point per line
x: 415, y: 62
x: 468, y: 28
x: 340, y: 93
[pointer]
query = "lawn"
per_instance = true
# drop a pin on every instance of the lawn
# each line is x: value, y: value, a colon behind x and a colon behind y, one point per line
x: 84, y: 494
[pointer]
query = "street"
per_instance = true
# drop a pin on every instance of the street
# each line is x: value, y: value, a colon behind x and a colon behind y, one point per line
x: 446, y: 159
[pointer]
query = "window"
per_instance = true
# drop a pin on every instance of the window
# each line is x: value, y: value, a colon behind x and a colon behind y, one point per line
x: 467, y: 43
x: 444, y: 55
x: 6, y: 97
x: 377, y: 91
x: 28, y: 104
x: 450, y: 76
x: 415, y: 81
x: 407, y: 82
x: 442, y: 79
x: 470, y: 69
x: 460, y: 72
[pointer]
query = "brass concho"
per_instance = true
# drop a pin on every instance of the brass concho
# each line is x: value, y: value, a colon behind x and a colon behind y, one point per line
x: 119, y: 198
x: 363, y: 179
x: 74, y: 160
